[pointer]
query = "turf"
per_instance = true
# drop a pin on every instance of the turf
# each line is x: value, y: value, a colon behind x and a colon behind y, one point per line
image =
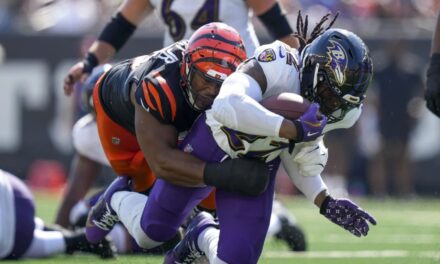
x: 408, y: 231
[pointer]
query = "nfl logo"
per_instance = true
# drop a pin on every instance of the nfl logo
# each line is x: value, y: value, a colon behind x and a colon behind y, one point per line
x: 188, y: 148
x: 116, y: 140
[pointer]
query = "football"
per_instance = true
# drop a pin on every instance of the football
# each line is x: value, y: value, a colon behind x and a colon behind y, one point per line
x: 288, y: 105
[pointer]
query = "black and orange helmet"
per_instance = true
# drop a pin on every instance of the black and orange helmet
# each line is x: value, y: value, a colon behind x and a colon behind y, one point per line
x: 214, y: 51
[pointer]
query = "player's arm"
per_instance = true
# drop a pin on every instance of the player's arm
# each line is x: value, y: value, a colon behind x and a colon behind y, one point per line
x: 237, y: 107
x: 342, y: 212
x: 432, y: 93
x: 84, y: 172
x: 158, y: 142
x: 272, y: 16
x: 114, y: 35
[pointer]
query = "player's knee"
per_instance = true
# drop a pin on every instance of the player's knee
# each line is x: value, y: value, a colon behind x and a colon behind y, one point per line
x: 144, y: 241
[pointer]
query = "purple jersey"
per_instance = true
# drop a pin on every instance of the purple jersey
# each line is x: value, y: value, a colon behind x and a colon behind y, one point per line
x: 17, y: 208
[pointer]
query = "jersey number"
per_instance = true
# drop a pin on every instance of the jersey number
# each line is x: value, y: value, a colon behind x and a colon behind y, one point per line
x: 176, y: 25
x: 236, y: 143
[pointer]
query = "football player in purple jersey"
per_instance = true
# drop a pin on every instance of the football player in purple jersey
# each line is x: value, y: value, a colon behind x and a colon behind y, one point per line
x: 335, y: 72
x: 142, y: 105
x: 181, y: 20
x: 23, y: 235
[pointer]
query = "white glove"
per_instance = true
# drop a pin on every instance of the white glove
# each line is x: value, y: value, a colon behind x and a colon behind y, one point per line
x: 311, y: 159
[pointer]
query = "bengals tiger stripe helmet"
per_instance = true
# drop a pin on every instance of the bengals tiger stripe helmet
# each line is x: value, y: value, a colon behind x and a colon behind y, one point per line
x: 214, y: 51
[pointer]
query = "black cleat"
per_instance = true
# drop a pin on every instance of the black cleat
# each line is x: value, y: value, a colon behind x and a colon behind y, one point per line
x: 292, y: 234
x: 77, y: 242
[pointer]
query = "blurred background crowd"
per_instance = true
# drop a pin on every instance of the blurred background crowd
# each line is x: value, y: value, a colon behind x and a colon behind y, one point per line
x: 393, y: 150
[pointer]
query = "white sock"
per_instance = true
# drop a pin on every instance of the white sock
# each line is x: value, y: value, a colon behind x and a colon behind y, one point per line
x: 39, y: 223
x: 46, y: 244
x: 274, y: 225
x: 208, y: 243
x: 120, y: 238
x: 80, y: 209
x: 129, y: 207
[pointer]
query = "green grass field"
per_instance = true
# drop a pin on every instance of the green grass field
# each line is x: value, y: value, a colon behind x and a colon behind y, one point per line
x: 408, y: 232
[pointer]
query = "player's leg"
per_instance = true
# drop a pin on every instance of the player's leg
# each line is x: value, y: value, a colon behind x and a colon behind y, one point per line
x: 244, y: 223
x: 169, y: 205
x: 23, y: 213
x: 283, y: 225
x: 121, y: 148
x: 47, y: 243
x: 126, y: 158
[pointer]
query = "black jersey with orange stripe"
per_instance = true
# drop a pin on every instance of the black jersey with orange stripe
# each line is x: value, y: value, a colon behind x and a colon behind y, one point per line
x: 158, y: 89
x: 160, y: 93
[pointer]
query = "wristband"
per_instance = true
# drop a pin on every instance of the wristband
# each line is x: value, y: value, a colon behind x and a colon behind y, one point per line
x: 90, y: 62
x: 275, y: 22
x: 117, y: 31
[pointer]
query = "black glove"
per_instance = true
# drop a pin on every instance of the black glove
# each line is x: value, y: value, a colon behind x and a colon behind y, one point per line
x: 432, y: 92
x: 244, y: 176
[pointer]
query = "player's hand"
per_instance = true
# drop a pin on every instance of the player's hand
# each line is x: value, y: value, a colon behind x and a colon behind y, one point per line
x: 76, y: 74
x: 312, y: 158
x: 432, y: 93
x: 80, y: 72
x: 348, y: 215
x: 309, y: 126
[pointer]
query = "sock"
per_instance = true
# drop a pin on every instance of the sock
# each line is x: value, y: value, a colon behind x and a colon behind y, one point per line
x: 274, y: 226
x: 46, y: 244
x: 129, y: 207
x: 208, y: 243
x: 39, y: 224
x: 120, y: 238
x: 79, y: 213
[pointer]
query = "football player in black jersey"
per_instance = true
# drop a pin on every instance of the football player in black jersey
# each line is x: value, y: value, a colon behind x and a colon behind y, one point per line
x: 141, y: 106
x: 120, y: 28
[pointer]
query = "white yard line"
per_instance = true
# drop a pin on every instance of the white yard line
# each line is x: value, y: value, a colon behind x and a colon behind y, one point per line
x: 353, y: 254
x: 388, y: 239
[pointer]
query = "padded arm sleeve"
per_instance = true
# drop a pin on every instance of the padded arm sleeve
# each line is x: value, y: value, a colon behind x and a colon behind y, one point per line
x: 237, y: 107
x: 309, y: 186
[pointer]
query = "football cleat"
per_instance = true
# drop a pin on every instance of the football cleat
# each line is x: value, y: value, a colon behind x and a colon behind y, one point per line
x: 290, y: 232
x: 77, y: 242
x: 102, y: 217
x: 187, y: 251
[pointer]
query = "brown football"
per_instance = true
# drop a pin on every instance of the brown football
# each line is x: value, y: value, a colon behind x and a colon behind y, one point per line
x: 288, y: 105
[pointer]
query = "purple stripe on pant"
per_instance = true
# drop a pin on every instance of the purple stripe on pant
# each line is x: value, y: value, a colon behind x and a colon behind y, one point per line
x: 243, y: 220
x: 24, y: 217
